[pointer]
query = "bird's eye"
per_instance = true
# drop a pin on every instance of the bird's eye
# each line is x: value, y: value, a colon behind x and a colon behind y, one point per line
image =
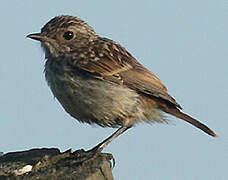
x: 68, y: 35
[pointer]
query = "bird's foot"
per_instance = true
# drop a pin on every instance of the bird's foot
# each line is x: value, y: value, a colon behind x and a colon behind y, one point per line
x: 82, y: 155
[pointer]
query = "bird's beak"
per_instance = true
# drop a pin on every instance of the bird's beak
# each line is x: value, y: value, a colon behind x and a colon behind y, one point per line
x: 37, y: 36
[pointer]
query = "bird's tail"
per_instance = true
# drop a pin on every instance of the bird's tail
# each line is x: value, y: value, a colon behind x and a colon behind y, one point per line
x: 176, y: 112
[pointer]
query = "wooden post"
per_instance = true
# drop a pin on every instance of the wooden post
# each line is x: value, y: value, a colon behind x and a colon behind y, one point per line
x: 52, y: 164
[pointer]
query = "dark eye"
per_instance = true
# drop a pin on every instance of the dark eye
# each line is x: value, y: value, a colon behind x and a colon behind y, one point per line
x: 68, y: 35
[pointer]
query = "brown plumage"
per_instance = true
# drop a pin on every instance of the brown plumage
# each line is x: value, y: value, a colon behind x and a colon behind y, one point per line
x: 98, y: 81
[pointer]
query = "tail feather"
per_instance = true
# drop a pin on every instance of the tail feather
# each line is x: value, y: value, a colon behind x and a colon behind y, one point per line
x: 189, y: 119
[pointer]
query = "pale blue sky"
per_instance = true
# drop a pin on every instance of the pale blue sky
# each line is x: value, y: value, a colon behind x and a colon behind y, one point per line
x: 184, y: 42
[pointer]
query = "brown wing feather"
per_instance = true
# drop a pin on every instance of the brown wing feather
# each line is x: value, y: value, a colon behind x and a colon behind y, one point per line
x: 112, y: 62
x: 145, y: 82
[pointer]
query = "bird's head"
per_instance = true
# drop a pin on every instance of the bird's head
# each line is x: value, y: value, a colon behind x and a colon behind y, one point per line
x: 64, y: 34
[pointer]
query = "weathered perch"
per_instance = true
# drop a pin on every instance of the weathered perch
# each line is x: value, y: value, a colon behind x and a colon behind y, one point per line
x: 52, y: 164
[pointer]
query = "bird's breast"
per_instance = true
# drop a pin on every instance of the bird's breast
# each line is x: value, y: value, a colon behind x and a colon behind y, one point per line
x: 92, y: 100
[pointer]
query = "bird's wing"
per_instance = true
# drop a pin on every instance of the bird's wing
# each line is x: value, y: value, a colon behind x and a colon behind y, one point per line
x: 107, y: 60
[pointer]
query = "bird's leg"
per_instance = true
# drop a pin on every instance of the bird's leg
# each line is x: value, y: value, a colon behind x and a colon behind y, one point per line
x: 85, y: 155
x: 98, y: 148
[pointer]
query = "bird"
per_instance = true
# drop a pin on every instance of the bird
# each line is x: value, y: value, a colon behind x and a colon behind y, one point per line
x: 97, y: 81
